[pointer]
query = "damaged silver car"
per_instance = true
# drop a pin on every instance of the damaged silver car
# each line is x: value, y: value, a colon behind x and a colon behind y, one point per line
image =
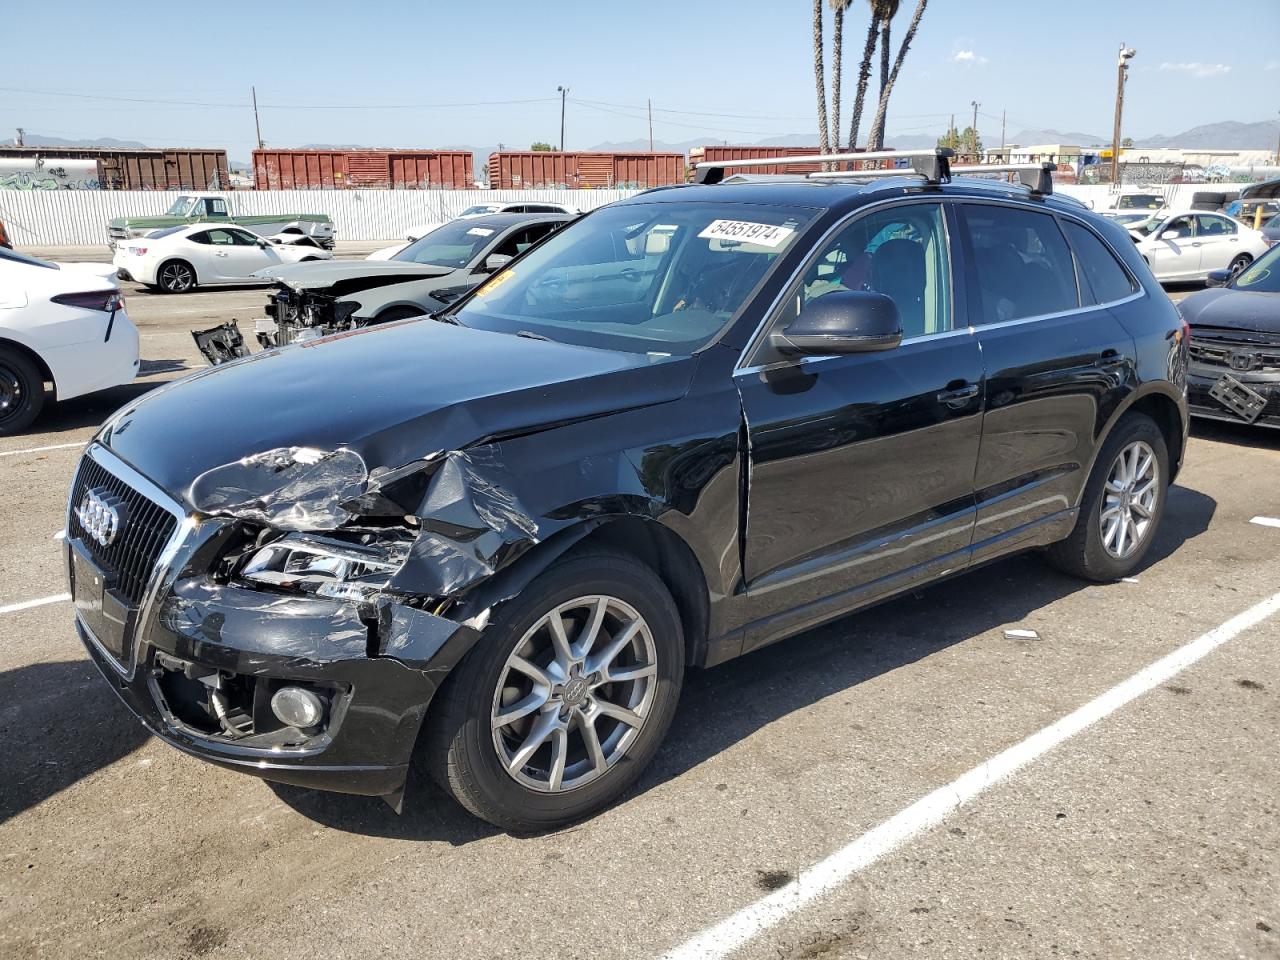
x: 423, y: 278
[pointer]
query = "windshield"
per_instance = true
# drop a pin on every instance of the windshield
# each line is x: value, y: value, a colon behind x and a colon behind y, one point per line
x: 1147, y: 227
x: 1140, y: 201
x: 453, y: 245
x: 649, y: 278
x: 481, y: 209
x: 15, y: 257
x: 180, y: 207
x: 1263, y: 275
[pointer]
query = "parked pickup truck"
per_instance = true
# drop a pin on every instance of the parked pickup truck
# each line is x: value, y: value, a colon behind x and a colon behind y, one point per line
x: 190, y: 208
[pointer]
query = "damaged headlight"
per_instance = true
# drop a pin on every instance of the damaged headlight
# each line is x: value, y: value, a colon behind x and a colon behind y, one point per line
x: 322, y: 566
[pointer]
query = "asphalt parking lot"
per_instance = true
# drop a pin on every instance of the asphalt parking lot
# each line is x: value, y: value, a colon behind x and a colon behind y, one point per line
x: 1153, y: 831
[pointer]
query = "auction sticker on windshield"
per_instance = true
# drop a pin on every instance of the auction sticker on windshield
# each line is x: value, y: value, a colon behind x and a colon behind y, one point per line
x: 479, y: 232
x: 744, y: 231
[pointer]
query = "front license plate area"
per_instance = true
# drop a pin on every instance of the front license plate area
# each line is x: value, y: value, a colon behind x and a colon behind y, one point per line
x: 98, y: 605
x: 1244, y: 402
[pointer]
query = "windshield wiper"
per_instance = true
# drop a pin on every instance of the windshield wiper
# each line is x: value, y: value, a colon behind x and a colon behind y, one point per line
x: 530, y: 335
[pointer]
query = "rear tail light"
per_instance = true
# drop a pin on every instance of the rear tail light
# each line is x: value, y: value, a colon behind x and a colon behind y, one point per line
x: 108, y: 301
x: 138, y: 251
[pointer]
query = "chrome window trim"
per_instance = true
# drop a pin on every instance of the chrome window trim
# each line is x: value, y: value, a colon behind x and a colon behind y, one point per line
x: 740, y: 365
x: 185, y: 524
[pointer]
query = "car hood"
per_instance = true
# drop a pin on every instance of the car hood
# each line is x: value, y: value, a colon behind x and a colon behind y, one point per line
x: 314, y: 276
x: 391, y: 394
x: 1224, y: 307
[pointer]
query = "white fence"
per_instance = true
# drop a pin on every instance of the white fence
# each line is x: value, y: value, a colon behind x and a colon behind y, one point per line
x: 52, y: 217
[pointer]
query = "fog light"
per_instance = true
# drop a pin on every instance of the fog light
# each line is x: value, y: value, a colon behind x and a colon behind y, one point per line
x: 295, y: 707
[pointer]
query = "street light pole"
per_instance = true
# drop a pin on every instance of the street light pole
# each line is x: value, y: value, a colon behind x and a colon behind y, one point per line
x: 1122, y: 72
x: 564, y: 92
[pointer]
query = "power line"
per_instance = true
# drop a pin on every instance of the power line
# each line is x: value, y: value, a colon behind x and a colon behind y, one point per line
x: 276, y: 106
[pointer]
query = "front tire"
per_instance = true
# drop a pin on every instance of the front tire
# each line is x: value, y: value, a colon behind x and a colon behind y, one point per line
x: 1238, y: 265
x: 176, y: 276
x: 1122, y: 505
x: 566, y: 697
x: 21, y: 392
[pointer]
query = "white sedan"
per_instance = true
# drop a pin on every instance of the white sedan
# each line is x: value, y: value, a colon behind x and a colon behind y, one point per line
x: 61, y: 324
x: 1187, y: 244
x: 420, y: 230
x: 179, y: 259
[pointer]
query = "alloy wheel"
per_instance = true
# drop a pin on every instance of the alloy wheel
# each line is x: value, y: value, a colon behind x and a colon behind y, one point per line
x: 1129, y: 500
x: 574, y: 694
x: 175, y: 277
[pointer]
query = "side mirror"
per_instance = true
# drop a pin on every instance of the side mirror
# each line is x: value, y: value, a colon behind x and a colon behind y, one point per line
x: 264, y: 242
x: 495, y: 262
x: 1217, y: 278
x: 844, y: 321
x: 1171, y: 235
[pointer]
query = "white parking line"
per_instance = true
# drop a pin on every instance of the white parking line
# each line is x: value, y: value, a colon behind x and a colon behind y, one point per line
x: 1266, y: 521
x: 56, y: 446
x: 822, y: 878
x: 28, y: 604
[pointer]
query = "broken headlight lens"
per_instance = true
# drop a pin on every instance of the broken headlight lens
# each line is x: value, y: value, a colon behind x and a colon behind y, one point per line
x: 321, y: 566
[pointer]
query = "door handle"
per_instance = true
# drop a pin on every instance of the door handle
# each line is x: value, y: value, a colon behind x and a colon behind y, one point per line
x: 959, y: 395
x: 219, y: 254
x: 1111, y: 358
x: 1195, y: 243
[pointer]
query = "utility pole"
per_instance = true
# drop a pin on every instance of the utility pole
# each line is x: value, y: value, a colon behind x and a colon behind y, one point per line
x: 1003, y: 118
x: 1122, y: 73
x: 256, y: 125
x: 564, y: 92
x: 974, y: 127
x: 650, y: 102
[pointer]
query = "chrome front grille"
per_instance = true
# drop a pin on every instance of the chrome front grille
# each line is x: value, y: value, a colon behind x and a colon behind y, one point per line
x: 147, y: 527
x: 1240, y: 356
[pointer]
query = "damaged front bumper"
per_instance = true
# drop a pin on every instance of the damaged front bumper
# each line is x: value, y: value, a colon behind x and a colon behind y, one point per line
x: 203, y: 675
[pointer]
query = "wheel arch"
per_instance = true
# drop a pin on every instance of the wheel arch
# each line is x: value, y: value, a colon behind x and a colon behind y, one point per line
x: 1160, y: 402
x: 8, y: 343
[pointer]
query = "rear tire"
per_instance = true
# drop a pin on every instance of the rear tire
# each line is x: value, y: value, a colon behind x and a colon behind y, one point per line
x: 1239, y: 264
x: 176, y: 276
x: 21, y: 392
x: 1122, y: 505
x: 476, y: 737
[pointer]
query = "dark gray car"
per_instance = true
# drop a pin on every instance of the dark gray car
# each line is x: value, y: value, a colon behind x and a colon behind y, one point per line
x: 424, y: 277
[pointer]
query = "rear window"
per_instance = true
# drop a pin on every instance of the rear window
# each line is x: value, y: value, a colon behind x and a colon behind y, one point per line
x: 1022, y: 265
x: 1102, y: 278
x: 167, y: 231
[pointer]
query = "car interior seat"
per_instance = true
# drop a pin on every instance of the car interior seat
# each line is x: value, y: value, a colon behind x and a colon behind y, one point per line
x: 898, y: 271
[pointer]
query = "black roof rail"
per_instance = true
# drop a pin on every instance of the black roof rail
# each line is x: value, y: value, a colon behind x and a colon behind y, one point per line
x: 933, y: 165
x: 1036, y: 177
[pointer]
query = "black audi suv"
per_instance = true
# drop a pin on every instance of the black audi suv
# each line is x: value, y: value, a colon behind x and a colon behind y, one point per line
x: 692, y: 423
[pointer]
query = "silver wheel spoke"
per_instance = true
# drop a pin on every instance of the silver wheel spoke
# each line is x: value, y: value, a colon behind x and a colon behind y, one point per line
x: 522, y: 708
x: 542, y: 728
x: 591, y: 629
x: 530, y: 670
x: 595, y: 752
x: 559, y: 642
x: 600, y: 662
x: 1141, y: 510
x: 637, y: 672
x: 559, y: 754
x: 629, y: 717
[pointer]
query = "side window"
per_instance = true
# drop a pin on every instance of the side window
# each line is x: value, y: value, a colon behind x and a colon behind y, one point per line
x: 242, y: 238
x: 1101, y: 275
x: 1021, y: 264
x: 900, y: 252
x: 202, y: 237
x: 220, y: 238
x: 1211, y: 226
x: 1183, y: 226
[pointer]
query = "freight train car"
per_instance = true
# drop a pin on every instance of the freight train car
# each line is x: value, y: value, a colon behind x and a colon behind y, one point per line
x: 175, y: 168
x: 352, y: 169
x: 543, y: 169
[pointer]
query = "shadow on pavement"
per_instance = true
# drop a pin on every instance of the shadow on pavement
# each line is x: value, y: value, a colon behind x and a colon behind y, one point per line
x: 59, y: 723
x: 722, y: 706
x: 1241, y: 434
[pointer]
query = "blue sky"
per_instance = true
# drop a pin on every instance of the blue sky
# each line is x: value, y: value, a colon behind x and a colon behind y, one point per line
x: 343, y: 72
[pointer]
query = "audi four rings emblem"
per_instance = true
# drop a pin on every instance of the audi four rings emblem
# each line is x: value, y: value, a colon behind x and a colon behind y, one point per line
x: 102, y: 515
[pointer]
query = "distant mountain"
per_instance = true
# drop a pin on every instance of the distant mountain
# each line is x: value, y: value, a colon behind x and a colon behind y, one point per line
x: 1227, y: 135
x: 36, y: 140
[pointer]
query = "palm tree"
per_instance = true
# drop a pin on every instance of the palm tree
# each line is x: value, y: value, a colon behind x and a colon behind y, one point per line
x: 885, y: 11
x: 838, y: 8
x: 819, y: 76
x: 876, y: 138
x: 864, y: 77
